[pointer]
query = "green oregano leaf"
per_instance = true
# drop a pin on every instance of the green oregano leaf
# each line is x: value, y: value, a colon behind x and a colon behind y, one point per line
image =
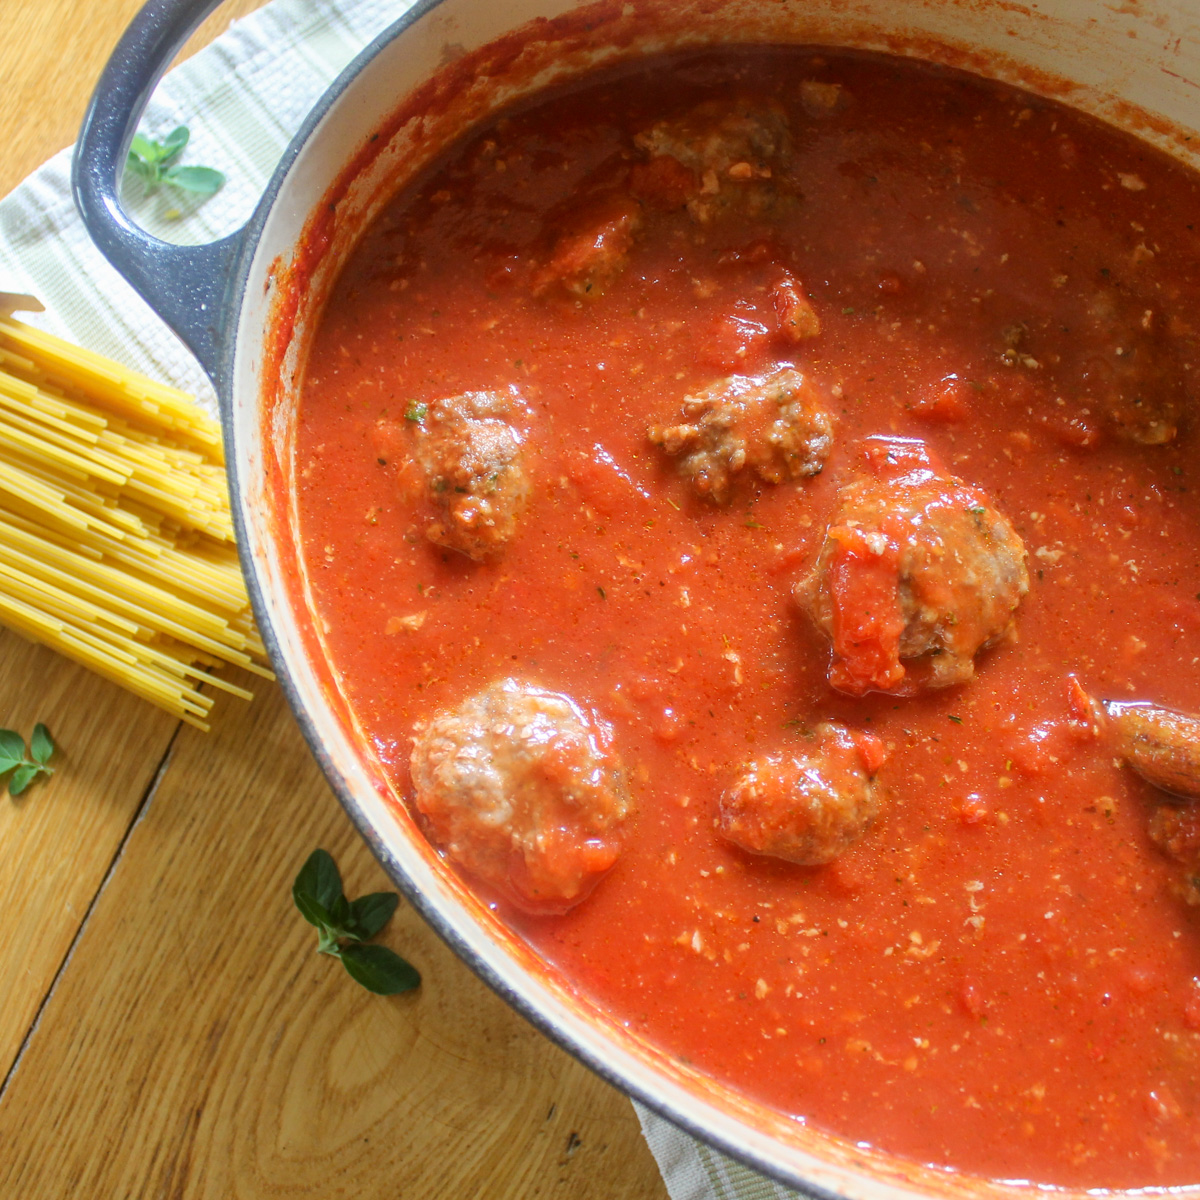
x: 25, y: 765
x: 314, y: 912
x: 172, y: 146
x: 204, y: 181
x: 320, y: 880
x: 21, y: 778
x: 379, y: 969
x: 41, y: 745
x: 369, y: 914
x: 156, y: 163
x: 342, y: 927
x: 143, y: 151
x: 339, y: 913
x: 12, y: 746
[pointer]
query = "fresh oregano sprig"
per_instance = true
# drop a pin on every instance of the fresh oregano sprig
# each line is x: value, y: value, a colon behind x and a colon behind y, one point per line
x: 25, y: 764
x: 343, y: 926
x: 155, y: 163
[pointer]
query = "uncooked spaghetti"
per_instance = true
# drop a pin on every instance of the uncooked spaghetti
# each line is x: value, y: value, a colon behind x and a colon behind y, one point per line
x: 116, y: 543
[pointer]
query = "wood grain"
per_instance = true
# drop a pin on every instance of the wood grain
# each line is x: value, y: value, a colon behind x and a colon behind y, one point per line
x: 54, y: 855
x: 197, y: 1046
x: 52, y: 53
x: 58, y: 839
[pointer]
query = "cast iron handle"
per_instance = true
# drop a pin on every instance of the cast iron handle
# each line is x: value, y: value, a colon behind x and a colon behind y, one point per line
x: 186, y: 285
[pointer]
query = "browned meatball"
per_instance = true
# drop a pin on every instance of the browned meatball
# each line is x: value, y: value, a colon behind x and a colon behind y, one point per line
x: 1137, y: 380
x: 918, y: 573
x: 1163, y: 747
x: 807, y: 806
x: 1175, y: 829
x: 1160, y: 744
x: 733, y: 153
x: 798, y: 320
x: 822, y: 99
x: 1139, y: 369
x: 471, y: 457
x: 772, y: 424
x: 591, y: 245
x: 521, y: 787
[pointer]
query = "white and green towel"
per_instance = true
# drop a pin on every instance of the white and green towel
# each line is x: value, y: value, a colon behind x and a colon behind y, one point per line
x: 693, y: 1171
x: 242, y: 98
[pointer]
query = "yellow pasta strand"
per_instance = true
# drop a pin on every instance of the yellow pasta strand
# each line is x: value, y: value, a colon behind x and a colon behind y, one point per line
x: 96, y: 380
x: 116, y: 540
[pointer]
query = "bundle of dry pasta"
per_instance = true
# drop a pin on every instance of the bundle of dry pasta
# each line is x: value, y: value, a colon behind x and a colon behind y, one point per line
x: 116, y: 544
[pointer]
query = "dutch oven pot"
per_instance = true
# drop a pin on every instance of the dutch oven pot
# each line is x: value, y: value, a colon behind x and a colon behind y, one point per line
x: 242, y: 304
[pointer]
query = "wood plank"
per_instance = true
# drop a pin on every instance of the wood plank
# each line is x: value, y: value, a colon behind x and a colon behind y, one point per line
x: 198, y: 1047
x: 56, y: 844
x: 50, y: 57
x: 59, y: 838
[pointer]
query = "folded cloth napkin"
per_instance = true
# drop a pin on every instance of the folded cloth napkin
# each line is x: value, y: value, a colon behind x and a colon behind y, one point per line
x: 693, y: 1171
x: 242, y: 99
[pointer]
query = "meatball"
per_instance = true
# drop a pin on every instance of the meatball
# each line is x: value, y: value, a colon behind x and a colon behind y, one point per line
x: 591, y: 246
x: 522, y: 788
x: 1163, y: 746
x: 774, y: 424
x: 797, y: 318
x: 734, y: 156
x: 472, y: 460
x: 1138, y: 381
x: 1160, y: 744
x: 918, y: 573
x: 810, y: 806
x: 822, y: 99
x: 1136, y: 375
x: 1175, y: 830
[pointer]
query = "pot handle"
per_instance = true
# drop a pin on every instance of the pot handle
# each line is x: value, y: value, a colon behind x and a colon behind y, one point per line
x: 185, y: 285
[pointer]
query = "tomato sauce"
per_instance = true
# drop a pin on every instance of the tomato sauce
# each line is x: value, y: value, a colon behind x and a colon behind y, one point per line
x: 996, y: 978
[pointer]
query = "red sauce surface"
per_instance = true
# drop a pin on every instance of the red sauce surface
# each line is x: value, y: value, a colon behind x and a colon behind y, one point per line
x: 996, y: 977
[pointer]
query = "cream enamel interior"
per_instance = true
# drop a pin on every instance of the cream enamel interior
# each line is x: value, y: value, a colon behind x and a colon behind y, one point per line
x: 1131, y: 62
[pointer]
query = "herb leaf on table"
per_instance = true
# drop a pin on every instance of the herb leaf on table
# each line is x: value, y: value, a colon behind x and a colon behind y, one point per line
x: 319, y: 884
x: 342, y: 927
x: 370, y: 914
x: 379, y: 969
x: 156, y: 163
x: 25, y: 764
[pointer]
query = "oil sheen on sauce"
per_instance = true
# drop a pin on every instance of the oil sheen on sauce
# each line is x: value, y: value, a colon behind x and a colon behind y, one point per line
x: 996, y: 977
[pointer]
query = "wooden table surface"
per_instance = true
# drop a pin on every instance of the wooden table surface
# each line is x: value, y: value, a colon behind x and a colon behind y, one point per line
x: 166, y: 1029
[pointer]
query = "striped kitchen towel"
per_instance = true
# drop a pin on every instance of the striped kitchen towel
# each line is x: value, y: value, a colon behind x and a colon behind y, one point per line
x: 693, y: 1171
x: 242, y: 98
